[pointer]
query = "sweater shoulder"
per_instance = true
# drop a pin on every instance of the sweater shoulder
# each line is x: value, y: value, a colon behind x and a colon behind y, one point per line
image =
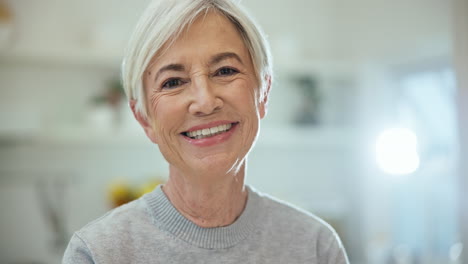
x: 291, y: 217
x: 117, y: 236
x: 310, y: 238
x: 117, y: 222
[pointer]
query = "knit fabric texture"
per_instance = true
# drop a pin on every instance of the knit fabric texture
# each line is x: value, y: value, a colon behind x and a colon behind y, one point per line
x: 151, y: 230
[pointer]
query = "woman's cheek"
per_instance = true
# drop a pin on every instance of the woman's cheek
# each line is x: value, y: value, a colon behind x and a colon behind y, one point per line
x: 158, y: 103
x: 169, y: 112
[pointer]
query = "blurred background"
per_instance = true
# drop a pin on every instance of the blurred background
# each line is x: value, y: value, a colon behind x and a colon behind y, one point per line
x: 364, y: 126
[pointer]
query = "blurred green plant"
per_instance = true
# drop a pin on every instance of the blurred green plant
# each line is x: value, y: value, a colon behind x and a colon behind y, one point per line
x: 112, y: 95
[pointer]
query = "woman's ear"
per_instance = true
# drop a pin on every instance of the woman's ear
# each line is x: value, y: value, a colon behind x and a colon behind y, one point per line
x: 143, y: 121
x: 263, y: 106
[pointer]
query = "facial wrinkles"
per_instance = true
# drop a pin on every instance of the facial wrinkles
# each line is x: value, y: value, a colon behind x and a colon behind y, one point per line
x: 199, y: 79
x: 249, y: 120
x: 252, y: 120
x: 165, y: 136
x: 163, y: 133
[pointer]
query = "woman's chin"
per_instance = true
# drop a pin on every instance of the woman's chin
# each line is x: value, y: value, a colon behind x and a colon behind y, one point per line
x: 216, y: 166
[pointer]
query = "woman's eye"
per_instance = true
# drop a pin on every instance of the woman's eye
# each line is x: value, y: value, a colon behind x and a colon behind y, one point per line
x: 226, y: 71
x: 172, y: 83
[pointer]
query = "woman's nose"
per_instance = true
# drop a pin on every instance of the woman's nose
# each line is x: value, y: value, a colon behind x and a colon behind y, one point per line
x: 205, y: 99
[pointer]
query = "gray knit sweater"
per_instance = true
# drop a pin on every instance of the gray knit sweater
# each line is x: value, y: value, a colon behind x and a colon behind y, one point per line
x: 151, y: 230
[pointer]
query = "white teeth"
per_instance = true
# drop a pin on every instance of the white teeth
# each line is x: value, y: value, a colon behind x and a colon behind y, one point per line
x: 208, y: 132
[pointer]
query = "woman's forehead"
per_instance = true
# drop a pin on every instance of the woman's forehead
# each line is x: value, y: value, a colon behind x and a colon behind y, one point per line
x: 209, y: 34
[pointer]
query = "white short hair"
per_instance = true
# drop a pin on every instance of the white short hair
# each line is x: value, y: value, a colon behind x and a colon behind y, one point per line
x: 164, y: 20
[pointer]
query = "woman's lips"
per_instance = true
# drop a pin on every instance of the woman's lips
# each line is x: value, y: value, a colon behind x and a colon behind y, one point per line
x: 210, y: 134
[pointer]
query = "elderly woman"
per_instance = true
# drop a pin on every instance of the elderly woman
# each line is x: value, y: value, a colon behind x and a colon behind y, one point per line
x: 198, y: 75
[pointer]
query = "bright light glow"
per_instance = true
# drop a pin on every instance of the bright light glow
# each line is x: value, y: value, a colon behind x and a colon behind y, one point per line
x: 397, y: 151
x: 456, y: 251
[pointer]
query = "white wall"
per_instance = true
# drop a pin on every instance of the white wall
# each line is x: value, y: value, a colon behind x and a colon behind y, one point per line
x: 320, y: 30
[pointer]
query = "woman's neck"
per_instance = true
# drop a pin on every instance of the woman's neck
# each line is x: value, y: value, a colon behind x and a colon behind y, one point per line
x: 207, y: 203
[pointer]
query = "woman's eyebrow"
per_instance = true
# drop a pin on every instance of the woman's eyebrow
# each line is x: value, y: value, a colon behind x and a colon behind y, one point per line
x: 214, y: 60
x: 170, y: 67
x: 223, y: 56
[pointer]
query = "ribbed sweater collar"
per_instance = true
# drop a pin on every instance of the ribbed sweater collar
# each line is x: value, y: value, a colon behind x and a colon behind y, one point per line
x: 166, y: 217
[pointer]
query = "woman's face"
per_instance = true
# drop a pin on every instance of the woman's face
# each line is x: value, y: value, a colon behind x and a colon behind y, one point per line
x: 202, y: 99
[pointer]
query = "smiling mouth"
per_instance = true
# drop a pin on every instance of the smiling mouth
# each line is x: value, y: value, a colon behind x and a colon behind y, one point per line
x: 208, y: 132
